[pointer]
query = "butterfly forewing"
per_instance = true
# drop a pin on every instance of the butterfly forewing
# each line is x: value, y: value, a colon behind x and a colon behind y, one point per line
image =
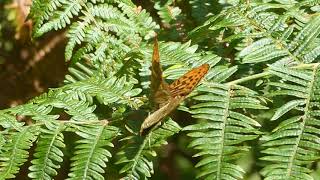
x: 185, y: 84
x: 156, y: 71
x: 160, y: 92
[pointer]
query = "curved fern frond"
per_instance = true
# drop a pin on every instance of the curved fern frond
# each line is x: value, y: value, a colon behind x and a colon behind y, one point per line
x: 107, y: 90
x: 107, y: 20
x: 8, y: 121
x: 137, y: 153
x: 299, y: 49
x: 101, y: 26
x: 223, y: 128
x: 80, y: 72
x: 79, y: 109
x: 15, y: 151
x: 294, y: 144
x: 91, y: 154
x: 48, y: 155
x: 167, y: 11
x: 142, y: 19
x: 73, y: 99
x: 265, y: 34
x: 60, y: 19
x: 42, y: 10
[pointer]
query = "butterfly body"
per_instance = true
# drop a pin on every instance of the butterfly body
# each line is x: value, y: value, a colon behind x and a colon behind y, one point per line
x: 165, y: 97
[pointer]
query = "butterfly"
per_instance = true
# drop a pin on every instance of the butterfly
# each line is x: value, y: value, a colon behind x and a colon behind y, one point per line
x: 167, y: 97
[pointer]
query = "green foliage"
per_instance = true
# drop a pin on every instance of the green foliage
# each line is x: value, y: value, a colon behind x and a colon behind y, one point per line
x: 294, y: 144
x: 166, y: 11
x: 90, y: 155
x: 137, y: 154
x: 15, y: 151
x: 201, y: 9
x: 48, y: 154
x: 223, y: 129
x: 270, y: 48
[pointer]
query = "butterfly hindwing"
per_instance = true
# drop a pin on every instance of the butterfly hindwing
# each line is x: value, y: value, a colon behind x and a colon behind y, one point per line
x: 161, y: 113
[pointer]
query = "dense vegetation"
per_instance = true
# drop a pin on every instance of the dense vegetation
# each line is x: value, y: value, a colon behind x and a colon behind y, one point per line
x: 254, y: 116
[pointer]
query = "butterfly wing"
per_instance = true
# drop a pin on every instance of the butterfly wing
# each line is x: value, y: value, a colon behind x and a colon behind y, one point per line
x: 156, y: 71
x: 161, y: 113
x: 185, y: 84
x: 179, y: 89
x: 160, y: 92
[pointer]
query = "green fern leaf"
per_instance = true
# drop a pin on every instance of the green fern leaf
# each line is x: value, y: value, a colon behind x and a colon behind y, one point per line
x: 60, y: 19
x: 8, y: 121
x: 219, y: 136
x: 137, y: 153
x: 15, y: 151
x: 166, y: 11
x: 294, y: 144
x: 91, y: 156
x: 265, y: 35
x: 48, y: 154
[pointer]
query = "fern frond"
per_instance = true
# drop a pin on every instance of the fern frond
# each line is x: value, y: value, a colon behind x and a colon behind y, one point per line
x: 294, y: 144
x: 79, y: 109
x: 220, y: 135
x: 136, y: 155
x: 48, y: 155
x: 90, y: 155
x: 102, y: 25
x: 107, y: 19
x: 42, y: 10
x: 79, y: 72
x: 8, y: 121
x: 166, y: 11
x: 265, y: 34
x: 73, y: 99
x: 142, y: 18
x: 269, y: 48
x: 60, y: 19
x: 106, y: 90
x: 15, y: 151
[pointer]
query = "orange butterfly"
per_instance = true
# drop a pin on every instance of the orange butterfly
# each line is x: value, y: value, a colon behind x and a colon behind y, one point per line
x: 165, y: 97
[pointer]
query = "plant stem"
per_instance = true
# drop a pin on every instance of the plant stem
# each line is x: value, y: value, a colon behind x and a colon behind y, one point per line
x: 248, y: 78
x: 266, y: 73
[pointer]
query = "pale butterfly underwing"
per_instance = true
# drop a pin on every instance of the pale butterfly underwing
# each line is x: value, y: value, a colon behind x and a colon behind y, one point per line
x: 164, y: 97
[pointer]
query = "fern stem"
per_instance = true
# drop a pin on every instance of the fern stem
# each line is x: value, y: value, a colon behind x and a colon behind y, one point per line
x: 307, y: 66
x: 260, y: 75
x: 145, y: 140
x: 248, y: 78
x: 223, y: 129
x: 136, y: 157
